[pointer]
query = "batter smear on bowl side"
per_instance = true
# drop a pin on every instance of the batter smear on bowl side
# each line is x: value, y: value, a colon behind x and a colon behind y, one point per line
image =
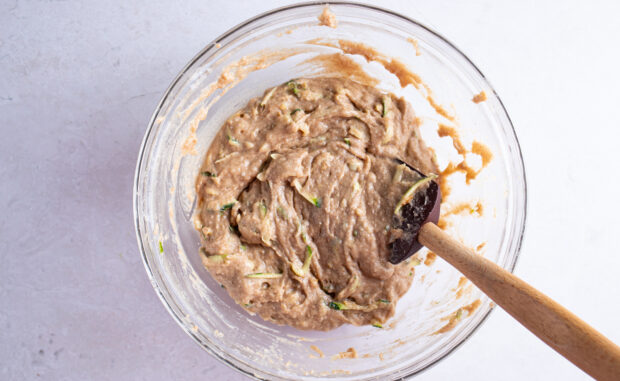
x: 295, y: 199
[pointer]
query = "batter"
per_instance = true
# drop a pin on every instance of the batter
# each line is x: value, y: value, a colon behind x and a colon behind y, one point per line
x: 296, y: 196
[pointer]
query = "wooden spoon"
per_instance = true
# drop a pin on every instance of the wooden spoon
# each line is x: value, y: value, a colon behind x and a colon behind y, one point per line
x: 414, y: 225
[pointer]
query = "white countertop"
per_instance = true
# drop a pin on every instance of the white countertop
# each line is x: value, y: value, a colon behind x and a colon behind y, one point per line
x: 78, y: 84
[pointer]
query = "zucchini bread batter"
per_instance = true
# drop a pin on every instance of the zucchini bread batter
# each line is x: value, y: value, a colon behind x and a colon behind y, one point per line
x: 296, y: 197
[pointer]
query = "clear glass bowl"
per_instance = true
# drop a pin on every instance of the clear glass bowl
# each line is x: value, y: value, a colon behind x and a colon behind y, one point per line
x: 164, y: 197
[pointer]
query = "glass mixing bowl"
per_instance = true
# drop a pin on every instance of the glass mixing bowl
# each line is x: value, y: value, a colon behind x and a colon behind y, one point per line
x: 191, y: 112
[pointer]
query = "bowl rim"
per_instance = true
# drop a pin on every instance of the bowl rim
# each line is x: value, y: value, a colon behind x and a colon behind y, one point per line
x: 141, y: 157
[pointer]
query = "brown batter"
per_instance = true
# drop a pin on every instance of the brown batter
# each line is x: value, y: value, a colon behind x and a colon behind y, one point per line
x: 480, y: 97
x: 296, y: 195
x: 328, y: 18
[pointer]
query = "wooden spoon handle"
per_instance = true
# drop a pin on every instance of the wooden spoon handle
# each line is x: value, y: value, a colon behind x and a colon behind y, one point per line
x: 555, y: 325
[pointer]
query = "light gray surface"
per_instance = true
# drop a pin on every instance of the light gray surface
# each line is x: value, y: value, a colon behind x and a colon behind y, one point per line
x: 78, y: 83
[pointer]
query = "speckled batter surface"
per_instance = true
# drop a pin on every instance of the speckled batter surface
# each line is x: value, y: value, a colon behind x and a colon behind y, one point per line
x: 296, y: 195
